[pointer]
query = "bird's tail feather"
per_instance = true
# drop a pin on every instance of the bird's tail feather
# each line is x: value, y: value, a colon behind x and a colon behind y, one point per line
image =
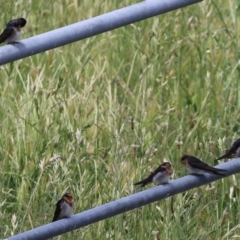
x: 144, y: 182
x: 219, y: 171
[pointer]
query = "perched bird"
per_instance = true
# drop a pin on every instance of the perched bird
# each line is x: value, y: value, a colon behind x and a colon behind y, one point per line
x: 64, y: 207
x: 12, y: 31
x: 233, y: 151
x: 196, y: 166
x: 160, y: 176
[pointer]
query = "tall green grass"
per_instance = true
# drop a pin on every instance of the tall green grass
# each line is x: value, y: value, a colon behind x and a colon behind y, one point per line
x: 95, y: 116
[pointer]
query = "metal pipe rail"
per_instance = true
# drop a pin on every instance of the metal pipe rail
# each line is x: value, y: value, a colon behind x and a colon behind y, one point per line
x: 126, y: 204
x: 89, y: 28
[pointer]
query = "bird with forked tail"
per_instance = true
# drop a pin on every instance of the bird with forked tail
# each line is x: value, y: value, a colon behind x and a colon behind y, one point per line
x: 161, y: 175
x: 12, y: 32
x: 196, y: 166
x: 64, y: 207
x: 233, y: 151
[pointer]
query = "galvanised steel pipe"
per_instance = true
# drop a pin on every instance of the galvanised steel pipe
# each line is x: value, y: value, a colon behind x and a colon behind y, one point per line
x: 126, y: 204
x: 89, y: 28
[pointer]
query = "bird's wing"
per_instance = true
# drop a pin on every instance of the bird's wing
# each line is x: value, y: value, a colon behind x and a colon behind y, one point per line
x: 197, y: 163
x: 6, y: 33
x: 57, y: 210
x: 231, y: 151
x: 160, y: 170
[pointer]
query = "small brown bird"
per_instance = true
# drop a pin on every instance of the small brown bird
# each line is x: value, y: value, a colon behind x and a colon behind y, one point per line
x: 12, y: 32
x: 233, y: 151
x: 196, y: 166
x: 160, y: 176
x: 64, y: 207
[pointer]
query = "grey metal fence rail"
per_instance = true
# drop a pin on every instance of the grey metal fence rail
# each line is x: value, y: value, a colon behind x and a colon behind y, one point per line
x: 89, y: 28
x: 125, y: 204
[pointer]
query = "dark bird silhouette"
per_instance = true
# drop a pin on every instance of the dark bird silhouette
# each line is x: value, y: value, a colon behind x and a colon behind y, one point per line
x: 64, y: 207
x: 160, y: 176
x: 233, y: 151
x: 196, y: 166
x: 12, y: 32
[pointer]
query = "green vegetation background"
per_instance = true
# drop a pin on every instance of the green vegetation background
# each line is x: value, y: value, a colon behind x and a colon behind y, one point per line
x: 97, y: 115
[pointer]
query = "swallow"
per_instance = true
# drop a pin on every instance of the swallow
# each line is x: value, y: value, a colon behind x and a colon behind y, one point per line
x: 161, y: 175
x: 196, y: 166
x: 64, y: 207
x: 233, y: 151
x: 12, y: 31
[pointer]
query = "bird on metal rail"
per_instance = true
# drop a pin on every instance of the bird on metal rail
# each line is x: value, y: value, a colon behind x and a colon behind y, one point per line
x: 161, y: 175
x: 233, y: 151
x: 64, y: 207
x: 196, y: 166
x: 12, y: 32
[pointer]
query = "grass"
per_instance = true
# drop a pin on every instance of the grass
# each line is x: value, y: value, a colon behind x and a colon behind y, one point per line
x: 95, y: 116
